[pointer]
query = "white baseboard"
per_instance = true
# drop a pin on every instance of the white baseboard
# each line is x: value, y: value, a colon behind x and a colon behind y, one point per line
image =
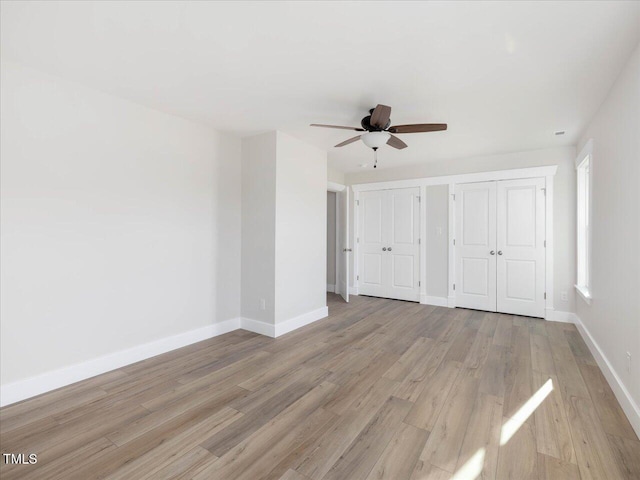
x: 30, y: 387
x: 558, y: 316
x: 258, y: 326
x: 437, y: 301
x: 627, y: 403
x: 451, y: 302
x: 301, y: 320
x: 331, y: 288
x: 280, y: 328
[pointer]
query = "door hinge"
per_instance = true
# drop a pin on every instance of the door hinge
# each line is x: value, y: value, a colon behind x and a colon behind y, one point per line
x: 358, y: 240
x: 358, y: 277
x: 419, y: 241
x: 454, y: 241
x: 418, y: 197
x: 454, y: 286
x: 545, y: 295
x: 545, y: 244
x: 454, y: 196
x: 357, y: 203
x: 418, y: 282
x: 544, y: 191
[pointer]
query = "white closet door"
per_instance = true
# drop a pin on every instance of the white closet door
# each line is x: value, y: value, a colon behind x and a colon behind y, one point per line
x: 372, y: 241
x: 520, y: 247
x: 403, y: 249
x: 388, y: 248
x: 476, y: 246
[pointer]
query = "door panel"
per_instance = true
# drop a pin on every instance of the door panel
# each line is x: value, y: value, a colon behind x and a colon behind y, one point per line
x: 372, y: 240
x: 389, y: 248
x: 404, y: 251
x: 402, y: 217
x: 520, y: 246
x: 475, y: 239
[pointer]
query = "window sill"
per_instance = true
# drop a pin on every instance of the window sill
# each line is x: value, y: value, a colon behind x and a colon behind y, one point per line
x: 584, y: 293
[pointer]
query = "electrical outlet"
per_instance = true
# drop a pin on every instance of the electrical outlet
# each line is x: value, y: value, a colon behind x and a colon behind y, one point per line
x: 628, y: 361
x: 563, y: 296
x: 263, y: 304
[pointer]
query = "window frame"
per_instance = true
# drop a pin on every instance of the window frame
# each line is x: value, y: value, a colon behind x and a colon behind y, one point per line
x: 583, y: 221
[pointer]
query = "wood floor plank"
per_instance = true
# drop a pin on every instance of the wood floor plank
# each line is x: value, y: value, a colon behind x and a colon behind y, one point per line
x: 553, y: 437
x: 398, y: 459
x: 436, y: 389
x: 443, y: 446
x: 378, y: 389
x: 187, y: 465
x: 358, y: 460
x: 483, y: 435
x: 593, y: 452
x: 541, y: 357
x: 518, y: 457
x: 550, y: 468
x: 612, y: 417
x: 627, y: 454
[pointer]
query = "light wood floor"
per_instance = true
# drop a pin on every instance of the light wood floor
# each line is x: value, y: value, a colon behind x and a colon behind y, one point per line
x: 380, y: 389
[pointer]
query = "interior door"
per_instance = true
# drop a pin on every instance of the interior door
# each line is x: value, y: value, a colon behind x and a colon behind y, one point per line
x: 476, y: 246
x: 520, y: 247
x: 403, y: 250
x: 342, y: 270
x: 373, y: 239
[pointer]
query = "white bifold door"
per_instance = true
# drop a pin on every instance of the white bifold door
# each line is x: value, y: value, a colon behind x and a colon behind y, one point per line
x: 388, y: 246
x: 500, y: 246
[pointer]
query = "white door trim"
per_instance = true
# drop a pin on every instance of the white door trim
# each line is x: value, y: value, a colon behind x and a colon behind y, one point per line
x: 512, y: 174
x: 335, y: 187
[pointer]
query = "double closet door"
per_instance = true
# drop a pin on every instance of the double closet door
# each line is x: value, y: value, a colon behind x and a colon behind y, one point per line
x: 388, y: 244
x: 500, y: 246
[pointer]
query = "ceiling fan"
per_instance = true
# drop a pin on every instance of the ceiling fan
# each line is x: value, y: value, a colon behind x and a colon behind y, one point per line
x: 379, y: 132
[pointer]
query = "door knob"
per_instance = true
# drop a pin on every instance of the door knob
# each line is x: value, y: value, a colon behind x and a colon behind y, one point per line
x: 499, y: 252
x: 384, y: 249
x: 492, y: 252
x: 389, y: 248
x: 346, y: 249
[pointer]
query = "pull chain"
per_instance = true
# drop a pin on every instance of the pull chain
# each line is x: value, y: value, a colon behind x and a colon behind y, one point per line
x: 375, y: 158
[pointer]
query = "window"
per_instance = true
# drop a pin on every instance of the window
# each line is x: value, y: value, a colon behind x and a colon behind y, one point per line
x: 583, y: 168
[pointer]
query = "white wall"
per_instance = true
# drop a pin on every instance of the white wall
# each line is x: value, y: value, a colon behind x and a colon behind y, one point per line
x: 331, y: 238
x: 437, y: 240
x: 564, y: 200
x: 259, y: 226
x: 613, y: 318
x: 301, y: 223
x: 120, y: 224
x: 335, y: 176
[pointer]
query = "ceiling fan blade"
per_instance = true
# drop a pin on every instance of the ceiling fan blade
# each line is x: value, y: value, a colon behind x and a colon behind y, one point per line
x: 347, y: 142
x: 380, y: 116
x: 418, y: 128
x: 356, y: 129
x: 395, y: 142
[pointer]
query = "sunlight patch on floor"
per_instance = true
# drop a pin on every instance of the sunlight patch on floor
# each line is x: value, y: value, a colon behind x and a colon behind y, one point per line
x: 472, y: 468
x: 514, y: 423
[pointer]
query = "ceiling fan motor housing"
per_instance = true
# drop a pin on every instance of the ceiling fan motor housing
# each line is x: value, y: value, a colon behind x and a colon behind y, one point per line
x: 366, y: 124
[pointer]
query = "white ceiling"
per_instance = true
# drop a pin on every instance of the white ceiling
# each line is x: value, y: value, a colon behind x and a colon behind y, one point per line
x: 503, y: 75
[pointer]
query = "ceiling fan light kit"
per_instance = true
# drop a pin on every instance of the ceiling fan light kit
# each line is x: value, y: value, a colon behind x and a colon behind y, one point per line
x: 379, y: 132
x: 375, y: 139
